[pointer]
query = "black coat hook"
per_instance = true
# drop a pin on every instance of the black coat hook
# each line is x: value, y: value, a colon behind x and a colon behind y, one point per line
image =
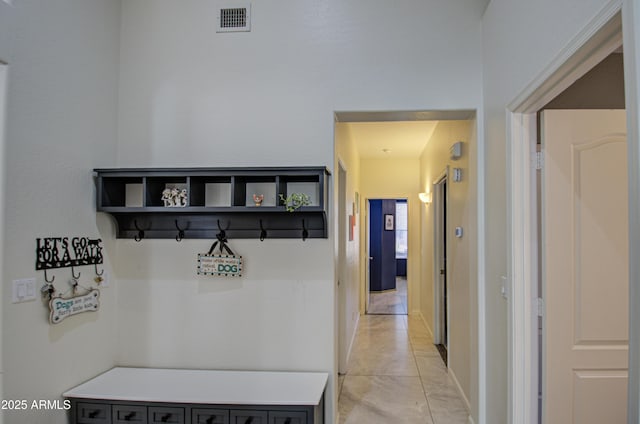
x: 98, y: 273
x: 305, y: 232
x: 73, y: 274
x: 263, y: 232
x: 138, y: 237
x: 223, y: 233
x: 180, y: 235
x: 46, y: 279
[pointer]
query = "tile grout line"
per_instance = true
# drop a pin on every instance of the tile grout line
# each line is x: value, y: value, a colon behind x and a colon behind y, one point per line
x: 413, y: 352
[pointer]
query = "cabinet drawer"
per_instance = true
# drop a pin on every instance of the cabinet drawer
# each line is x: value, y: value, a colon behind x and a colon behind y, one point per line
x: 238, y: 416
x: 287, y: 417
x: 123, y: 414
x: 93, y: 413
x: 209, y: 416
x: 161, y: 414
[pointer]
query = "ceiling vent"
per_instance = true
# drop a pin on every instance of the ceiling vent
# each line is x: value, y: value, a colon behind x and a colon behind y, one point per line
x: 234, y: 19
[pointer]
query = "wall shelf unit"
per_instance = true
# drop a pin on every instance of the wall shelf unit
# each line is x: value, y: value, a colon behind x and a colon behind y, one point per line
x: 216, y: 199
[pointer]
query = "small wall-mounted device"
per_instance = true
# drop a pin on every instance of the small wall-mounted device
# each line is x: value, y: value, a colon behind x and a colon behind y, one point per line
x: 457, y: 175
x: 458, y: 232
x: 455, y: 151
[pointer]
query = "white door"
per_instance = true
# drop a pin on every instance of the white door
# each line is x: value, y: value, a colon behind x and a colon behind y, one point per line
x: 585, y: 267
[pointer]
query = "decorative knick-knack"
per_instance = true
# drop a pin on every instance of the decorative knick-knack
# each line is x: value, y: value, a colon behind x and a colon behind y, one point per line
x: 258, y: 198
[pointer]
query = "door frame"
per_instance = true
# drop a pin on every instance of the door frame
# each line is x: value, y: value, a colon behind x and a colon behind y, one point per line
x: 367, y: 285
x: 602, y: 36
x: 343, y: 344
x: 440, y: 197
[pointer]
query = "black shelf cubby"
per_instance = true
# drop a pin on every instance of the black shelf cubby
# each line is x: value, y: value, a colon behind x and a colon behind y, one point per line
x: 217, y: 199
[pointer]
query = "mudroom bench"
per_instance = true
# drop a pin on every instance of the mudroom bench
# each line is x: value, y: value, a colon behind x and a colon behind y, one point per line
x: 150, y: 396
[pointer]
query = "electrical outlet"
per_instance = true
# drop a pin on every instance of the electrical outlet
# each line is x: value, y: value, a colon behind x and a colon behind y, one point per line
x: 24, y: 290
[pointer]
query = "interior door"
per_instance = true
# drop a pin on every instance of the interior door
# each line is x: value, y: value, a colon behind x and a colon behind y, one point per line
x: 585, y: 266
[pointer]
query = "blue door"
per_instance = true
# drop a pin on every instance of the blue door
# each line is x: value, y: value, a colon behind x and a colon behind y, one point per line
x: 382, y: 244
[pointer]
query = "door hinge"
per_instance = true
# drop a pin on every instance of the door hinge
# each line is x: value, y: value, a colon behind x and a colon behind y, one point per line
x: 538, y: 160
x: 540, y: 306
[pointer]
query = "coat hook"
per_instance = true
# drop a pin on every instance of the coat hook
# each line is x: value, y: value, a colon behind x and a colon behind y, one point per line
x: 305, y: 232
x: 138, y: 237
x: 98, y: 278
x: 223, y: 233
x: 46, y: 279
x: 180, y: 235
x: 263, y: 232
x: 73, y: 275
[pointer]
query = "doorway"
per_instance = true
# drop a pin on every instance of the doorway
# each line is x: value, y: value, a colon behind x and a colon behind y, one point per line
x: 441, y: 316
x: 526, y: 247
x: 388, y: 249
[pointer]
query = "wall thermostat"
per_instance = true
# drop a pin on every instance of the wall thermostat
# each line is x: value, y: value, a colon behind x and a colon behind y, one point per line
x: 455, y: 151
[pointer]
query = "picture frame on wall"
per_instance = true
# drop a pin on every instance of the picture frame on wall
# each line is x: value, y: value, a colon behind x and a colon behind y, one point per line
x: 388, y: 222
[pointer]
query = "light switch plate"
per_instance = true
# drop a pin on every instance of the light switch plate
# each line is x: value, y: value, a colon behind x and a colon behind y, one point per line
x: 24, y: 290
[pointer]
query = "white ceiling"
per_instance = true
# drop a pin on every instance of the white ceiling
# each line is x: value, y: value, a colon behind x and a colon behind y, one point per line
x: 401, y: 139
x: 403, y: 134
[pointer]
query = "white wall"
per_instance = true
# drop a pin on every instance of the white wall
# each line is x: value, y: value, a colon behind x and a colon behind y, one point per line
x: 520, y: 39
x: 191, y: 97
x: 61, y: 123
x: 461, y: 252
x: 4, y: 73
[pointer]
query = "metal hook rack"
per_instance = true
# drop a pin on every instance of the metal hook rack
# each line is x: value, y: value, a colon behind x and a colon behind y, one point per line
x: 67, y: 252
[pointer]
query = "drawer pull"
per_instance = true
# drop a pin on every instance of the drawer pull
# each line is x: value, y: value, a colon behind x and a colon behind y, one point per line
x: 130, y: 416
x: 249, y: 420
x: 288, y: 420
x: 210, y: 419
x: 94, y: 414
x: 166, y: 418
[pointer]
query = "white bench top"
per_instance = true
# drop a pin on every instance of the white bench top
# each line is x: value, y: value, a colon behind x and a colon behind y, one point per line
x: 204, y: 387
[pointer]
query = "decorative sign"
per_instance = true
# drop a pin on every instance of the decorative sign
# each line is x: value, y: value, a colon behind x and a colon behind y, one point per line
x: 63, y: 252
x: 222, y: 265
x: 63, y: 308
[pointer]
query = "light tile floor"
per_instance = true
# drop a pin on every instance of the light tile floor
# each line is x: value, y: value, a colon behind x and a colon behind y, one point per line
x: 395, y: 375
x: 390, y: 301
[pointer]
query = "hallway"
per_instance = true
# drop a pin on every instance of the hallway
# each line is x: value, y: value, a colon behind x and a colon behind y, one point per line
x: 390, y: 302
x: 395, y: 375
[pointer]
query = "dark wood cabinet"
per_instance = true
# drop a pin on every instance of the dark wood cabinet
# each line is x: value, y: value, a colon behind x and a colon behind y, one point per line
x: 213, y: 199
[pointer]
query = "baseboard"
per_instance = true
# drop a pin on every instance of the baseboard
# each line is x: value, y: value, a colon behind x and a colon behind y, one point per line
x: 426, y: 324
x: 461, y: 392
x: 353, y: 338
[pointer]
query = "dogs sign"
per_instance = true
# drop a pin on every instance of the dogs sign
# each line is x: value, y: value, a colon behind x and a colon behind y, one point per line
x: 63, y: 308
